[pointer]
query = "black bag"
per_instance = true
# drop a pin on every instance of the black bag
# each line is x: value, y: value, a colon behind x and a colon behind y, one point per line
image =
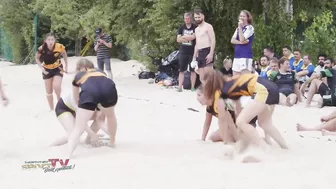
x: 146, y: 75
x: 187, y: 82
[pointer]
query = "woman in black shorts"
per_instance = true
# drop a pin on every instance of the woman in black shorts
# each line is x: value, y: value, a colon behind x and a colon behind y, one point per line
x: 48, y: 58
x: 265, y: 96
x: 96, y: 90
x: 66, y: 114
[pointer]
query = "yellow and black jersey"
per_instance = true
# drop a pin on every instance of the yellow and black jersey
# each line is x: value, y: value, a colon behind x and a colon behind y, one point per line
x: 213, y: 109
x: 51, y: 59
x: 82, y: 77
x: 243, y: 85
x: 260, y: 89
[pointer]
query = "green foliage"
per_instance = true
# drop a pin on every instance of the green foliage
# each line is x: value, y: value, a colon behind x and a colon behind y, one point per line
x: 320, y: 35
x: 275, y: 31
x: 16, y: 22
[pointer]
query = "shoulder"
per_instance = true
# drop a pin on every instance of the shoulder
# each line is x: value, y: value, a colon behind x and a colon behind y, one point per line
x: 40, y: 49
x: 59, y: 47
x: 209, y: 26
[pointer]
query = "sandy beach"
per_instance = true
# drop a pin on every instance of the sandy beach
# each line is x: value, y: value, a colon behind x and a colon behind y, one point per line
x: 158, y: 142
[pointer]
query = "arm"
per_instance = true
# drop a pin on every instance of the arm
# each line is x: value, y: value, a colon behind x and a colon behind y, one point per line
x: 212, y: 40
x: 297, y: 92
x: 302, y: 73
x: 96, y: 45
x: 38, y: 58
x: 65, y: 56
x: 206, y: 126
x: 314, y: 76
x: 238, y: 107
x: 195, y: 52
x: 189, y: 37
x: 108, y: 43
x: 241, y: 34
x: 181, y: 39
x: 234, y: 40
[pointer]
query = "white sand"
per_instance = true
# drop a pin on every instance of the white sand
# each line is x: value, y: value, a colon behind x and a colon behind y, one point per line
x: 158, y: 143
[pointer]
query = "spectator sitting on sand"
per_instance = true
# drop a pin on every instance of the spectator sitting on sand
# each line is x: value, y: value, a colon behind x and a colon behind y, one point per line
x: 327, y: 127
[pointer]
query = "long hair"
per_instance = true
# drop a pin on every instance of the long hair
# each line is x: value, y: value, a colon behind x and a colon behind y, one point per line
x: 249, y: 16
x: 213, y: 81
x: 45, y: 46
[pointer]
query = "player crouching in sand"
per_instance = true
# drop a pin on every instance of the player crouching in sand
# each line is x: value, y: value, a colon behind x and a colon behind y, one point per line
x: 66, y: 114
x: 265, y: 96
x: 96, y: 90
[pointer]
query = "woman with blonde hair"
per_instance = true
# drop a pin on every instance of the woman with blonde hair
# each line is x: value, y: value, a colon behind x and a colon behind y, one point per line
x: 66, y: 113
x: 96, y: 90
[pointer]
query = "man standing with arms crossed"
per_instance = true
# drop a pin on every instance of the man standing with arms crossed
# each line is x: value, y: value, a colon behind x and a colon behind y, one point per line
x: 102, y: 46
x: 205, y: 43
x: 186, y: 38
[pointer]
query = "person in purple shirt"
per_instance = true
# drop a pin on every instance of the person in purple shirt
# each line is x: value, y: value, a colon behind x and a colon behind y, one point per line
x: 242, y: 40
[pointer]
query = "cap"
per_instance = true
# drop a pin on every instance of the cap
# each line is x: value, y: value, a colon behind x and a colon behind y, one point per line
x: 98, y: 31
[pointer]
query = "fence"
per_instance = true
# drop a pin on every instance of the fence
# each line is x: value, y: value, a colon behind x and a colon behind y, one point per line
x: 5, y: 49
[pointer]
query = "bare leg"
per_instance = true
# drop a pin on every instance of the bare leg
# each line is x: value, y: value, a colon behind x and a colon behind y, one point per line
x: 181, y: 80
x: 82, y: 117
x: 68, y: 121
x: 201, y: 73
x: 329, y: 126
x: 215, y: 137
x: 111, y: 123
x: 227, y: 129
x: 49, y: 90
x: 266, y: 123
x: 193, y: 79
x: 57, y: 83
x: 315, y: 84
x: 282, y: 99
x: 250, y: 134
x: 328, y: 133
x: 292, y: 99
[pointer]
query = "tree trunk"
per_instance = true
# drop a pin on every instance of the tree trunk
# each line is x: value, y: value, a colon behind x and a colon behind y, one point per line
x: 78, y: 46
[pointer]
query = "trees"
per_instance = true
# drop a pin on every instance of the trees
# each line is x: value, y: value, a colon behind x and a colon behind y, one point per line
x: 152, y: 24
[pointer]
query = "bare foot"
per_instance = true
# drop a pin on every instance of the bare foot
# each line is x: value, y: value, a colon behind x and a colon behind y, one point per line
x: 307, y: 106
x: 325, y: 132
x: 250, y: 159
x: 299, y: 127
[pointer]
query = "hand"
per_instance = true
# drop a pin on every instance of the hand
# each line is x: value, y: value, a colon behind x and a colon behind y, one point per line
x: 240, y: 23
x: 245, y: 42
x: 209, y: 58
x: 325, y: 118
x: 5, y: 101
x: 44, y: 71
x: 101, y: 41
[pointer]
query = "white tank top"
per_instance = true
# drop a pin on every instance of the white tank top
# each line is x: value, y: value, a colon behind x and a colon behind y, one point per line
x: 69, y: 101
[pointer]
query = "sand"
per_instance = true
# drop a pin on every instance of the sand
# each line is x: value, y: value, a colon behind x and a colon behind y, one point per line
x: 158, y: 144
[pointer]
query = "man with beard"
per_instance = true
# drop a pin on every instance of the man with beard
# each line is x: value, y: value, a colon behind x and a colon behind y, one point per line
x: 205, y: 44
x: 321, y: 58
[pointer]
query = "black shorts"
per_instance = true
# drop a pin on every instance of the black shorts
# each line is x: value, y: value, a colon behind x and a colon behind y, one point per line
x: 61, y: 108
x: 53, y: 72
x: 98, y: 90
x: 266, y: 92
x: 286, y: 91
x: 202, y: 54
x: 323, y: 89
x: 184, y: 62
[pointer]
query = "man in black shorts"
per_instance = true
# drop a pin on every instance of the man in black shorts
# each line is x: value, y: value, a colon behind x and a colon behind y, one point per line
x: 186, y: 38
